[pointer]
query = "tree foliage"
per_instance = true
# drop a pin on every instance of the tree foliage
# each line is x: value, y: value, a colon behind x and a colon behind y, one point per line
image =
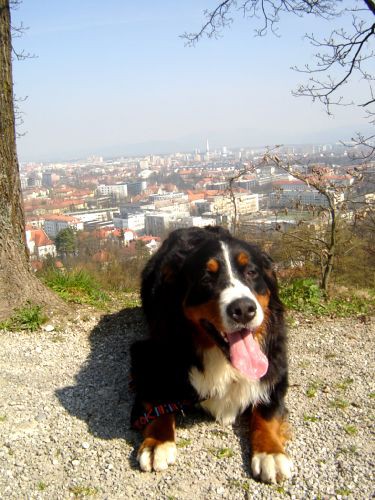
x: 66, y: 242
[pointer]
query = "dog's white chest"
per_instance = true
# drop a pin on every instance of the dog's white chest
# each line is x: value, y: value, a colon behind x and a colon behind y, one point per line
x: 225, y: 391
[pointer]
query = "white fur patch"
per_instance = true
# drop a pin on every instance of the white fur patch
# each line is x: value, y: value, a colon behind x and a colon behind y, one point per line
x: 226, y: 391
x: 236, y: 290
x: 271, y: 467
x: 157, y: 458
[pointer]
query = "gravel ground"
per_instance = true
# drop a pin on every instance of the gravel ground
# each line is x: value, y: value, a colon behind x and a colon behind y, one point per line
x: 64, y: 412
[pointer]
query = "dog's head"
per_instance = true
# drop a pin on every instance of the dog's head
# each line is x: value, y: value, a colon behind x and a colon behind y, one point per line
x: 228, y: 288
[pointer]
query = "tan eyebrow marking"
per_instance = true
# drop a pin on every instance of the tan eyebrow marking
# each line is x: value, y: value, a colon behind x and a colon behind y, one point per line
x: 243, y: 259
x: 213, y: 265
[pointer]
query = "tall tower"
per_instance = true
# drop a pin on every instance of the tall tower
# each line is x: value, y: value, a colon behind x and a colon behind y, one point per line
x: 207, y: 150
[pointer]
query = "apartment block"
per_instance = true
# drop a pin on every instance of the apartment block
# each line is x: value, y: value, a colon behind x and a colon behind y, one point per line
x: 53, y: 224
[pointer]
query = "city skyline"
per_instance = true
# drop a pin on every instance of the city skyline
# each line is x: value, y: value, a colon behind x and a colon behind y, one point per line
x: 120, y: 81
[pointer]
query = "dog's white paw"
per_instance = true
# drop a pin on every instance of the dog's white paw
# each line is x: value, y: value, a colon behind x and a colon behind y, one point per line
x: 271, y: 467
x: 156, y: 457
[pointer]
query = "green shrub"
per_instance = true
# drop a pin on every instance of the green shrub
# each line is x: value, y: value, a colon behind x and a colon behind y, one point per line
x: 30, y: 318
x: 302, y: 295
x: 75, y: 286
x: 305, y: 295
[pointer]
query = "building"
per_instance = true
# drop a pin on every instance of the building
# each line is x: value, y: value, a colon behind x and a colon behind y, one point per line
x: 130, y: 220
x: 247, y: 184
x: 156, y: 198
x: 296, y: 192
x: 114, y: 190
x: 157, y: 223
x: 135, y: 188
x: 223, y: 205
x: 192, y: 221
x: 53, y: 224
x: 49, y: 179
x: 39, y: 244
x: 95, y: 215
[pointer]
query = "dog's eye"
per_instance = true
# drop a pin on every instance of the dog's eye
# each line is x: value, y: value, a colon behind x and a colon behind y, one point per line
x: 251, y: 273
x: 206, y: 279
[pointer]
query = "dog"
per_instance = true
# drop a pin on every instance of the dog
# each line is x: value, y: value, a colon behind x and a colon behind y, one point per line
x: 216, y: 338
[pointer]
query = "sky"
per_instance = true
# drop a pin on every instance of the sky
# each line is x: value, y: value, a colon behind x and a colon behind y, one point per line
x: 115, y: 78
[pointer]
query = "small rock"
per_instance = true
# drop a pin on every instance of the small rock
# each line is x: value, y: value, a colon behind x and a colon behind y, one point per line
x: 38, y: 349
x: 75, y: 462
x: 85, y: 445
x: 48, y: 328
x: 40, y: 417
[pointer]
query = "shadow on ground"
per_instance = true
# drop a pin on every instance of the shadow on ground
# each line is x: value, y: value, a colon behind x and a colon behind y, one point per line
x: 101, y: 396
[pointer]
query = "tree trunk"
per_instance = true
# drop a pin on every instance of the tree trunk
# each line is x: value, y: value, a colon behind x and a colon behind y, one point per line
x: 17, y: 282
x: 328, y: 266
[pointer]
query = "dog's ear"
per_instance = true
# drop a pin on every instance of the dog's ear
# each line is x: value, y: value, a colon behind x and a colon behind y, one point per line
x: 268, y: 263
x: 168, y: 274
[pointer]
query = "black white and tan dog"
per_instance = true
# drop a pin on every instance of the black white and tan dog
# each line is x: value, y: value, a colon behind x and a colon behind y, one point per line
x: 216, y: 338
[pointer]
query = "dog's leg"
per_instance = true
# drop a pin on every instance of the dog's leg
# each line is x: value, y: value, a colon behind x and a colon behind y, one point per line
x: 158, y: 449
x: 268, y: 434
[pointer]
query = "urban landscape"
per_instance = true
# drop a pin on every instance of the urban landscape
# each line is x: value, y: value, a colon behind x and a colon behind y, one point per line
x: 141, y: 199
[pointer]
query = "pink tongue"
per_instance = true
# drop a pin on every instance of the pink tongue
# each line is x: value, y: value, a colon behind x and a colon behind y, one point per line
x: 245, y: 354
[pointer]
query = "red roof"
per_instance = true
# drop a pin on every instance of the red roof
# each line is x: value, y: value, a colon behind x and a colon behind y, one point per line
x: 40, y: 238
x: 60, y: 217
x: 147, y: 239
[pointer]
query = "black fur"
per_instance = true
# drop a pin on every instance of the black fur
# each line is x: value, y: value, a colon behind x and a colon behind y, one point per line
x: 176, y: 273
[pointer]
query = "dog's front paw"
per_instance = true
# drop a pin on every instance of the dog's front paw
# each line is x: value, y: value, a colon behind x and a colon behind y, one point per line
x: 154, y: 455
x: 271, y: 467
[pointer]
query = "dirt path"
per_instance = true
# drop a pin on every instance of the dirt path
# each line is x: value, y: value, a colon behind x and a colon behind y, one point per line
x: 64, y: 413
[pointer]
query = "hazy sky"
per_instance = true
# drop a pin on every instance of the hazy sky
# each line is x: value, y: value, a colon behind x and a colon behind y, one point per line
x: 115, y: 78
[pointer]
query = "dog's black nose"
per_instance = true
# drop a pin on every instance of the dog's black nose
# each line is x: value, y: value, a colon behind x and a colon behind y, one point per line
x: 242, y: 310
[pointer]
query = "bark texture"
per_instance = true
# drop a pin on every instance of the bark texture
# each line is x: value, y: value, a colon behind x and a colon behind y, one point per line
x: 17, y: 282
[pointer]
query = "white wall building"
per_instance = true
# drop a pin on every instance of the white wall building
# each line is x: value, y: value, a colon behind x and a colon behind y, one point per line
x: 53, y: 224
x: 131, y: 220
x: 39, y: 244
x: 115, y: 190
x: 192, y: 221
x: 157, y: 223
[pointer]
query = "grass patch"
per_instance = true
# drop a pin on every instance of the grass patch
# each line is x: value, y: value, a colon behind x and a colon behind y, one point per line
x: 41, y: 486
x: 304, y: 295
x: 312, y: 389
x: 344, y: 492
x: 280, y: 490
x: 76, y: 286
x: 182, y: 443
x: 219, y: 432
x: 352, y: 449
x: 372, y: 395
x: 130, y: 300
x: 241, y: 485
x: 330, y: 356
x: 310, y: 418
x: 3, y: 418
x: 29, y: 318
x: 222, y: 452
x: 345, y: 384
x: 304, y: 364
x: 83, y: 491
x: 342, y: 404
x: 351, y: 430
